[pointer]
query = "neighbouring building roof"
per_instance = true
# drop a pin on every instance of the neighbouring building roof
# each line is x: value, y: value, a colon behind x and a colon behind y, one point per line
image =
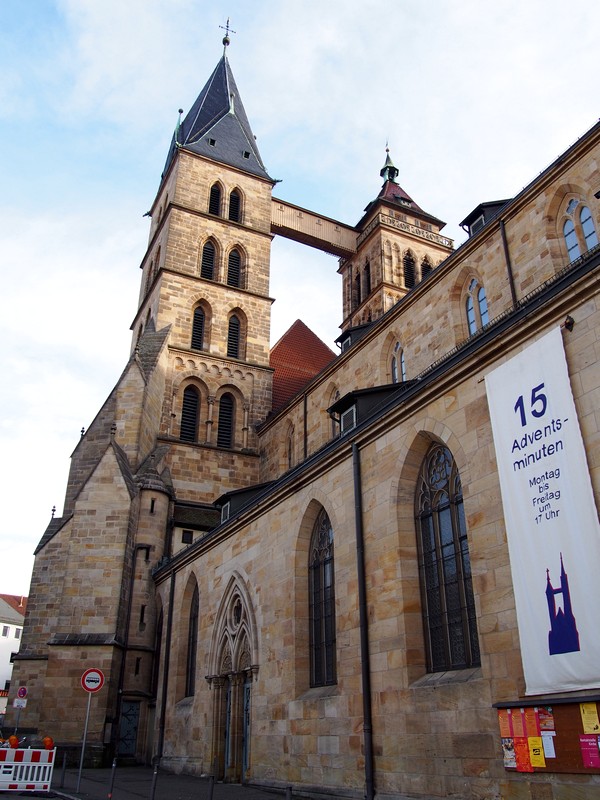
x: 296, y: 358
x: 17, y: 604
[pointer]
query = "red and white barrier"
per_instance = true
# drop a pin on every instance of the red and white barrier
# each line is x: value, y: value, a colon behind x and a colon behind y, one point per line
x: 26, y: 770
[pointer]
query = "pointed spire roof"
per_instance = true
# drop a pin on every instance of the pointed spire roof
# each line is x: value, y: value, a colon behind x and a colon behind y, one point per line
x: 217, y: 127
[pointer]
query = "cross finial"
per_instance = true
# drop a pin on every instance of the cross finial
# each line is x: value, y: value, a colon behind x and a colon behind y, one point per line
x: 226, y: 38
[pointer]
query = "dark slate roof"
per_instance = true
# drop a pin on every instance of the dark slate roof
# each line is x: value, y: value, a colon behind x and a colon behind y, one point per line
x: 53, y: 528
x: 218, y: 116
x: 149, y: 346
x: 296, y: 358
x: 196, y: 517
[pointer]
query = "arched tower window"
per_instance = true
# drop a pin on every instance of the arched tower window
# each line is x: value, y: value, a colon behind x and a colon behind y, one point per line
x: 367, y: 278
x: 192, y: 645
x: 233, y: 337
x: 214, y: 202
x: 198, y: 328
x: 476, y: 307
x: 444, y: 565
x: 398, y: 364
x: 207, y: 266
x: 587, y: 226
x: 190, y: 412
x: 426, y: 267
x: 408, y: 265
x: 235, y: 206
x: 234, y: 268
x: 356, y: 292
x: 226, y: 421
x: 322, y: 603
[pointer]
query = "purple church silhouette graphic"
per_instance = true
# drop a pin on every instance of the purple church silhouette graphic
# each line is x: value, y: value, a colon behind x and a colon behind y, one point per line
x: 563, y: 636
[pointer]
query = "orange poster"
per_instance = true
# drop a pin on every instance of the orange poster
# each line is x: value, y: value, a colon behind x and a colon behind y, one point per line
x: 504, y: 716
x: 522, y: 754
x: 532, y: 725
x: 518, y: 722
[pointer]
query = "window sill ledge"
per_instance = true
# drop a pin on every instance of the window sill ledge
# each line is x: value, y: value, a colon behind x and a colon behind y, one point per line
x: 454, y: 676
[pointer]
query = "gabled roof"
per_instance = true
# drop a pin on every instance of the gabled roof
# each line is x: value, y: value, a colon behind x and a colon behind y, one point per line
x: 217, y: 127
x: 296, y: 358
x: 17, y: 603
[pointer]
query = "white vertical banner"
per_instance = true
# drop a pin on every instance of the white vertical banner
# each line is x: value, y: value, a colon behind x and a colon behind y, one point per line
x: 551, y: 519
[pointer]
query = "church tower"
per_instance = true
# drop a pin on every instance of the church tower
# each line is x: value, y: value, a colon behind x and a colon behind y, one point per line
x: 398, y: 244
x: 176, y: 432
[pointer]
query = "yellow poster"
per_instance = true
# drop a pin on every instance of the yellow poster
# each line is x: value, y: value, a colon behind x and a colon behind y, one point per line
x: 589, y: 717
x: 536, y: 751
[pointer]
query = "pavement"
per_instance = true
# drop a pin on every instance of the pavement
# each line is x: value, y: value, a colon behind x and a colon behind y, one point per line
x: 140, y: 783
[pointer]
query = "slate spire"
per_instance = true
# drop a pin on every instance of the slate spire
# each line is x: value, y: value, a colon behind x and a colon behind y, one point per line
x: 216, y: 126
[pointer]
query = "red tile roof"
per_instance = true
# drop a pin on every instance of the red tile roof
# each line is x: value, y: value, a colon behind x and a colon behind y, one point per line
x: 16, y: 601
x: 296, y: 358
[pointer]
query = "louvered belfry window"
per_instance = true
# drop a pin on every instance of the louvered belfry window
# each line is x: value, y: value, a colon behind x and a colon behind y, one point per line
x: 207, y: 268
x: 198, y: 329
x: 408, y: 262
x: 233, y: 337
x: 214, y: 203
x: 234, y: 206
x: 233, y: 268
x: 189, y: 415
x: 225, y: 431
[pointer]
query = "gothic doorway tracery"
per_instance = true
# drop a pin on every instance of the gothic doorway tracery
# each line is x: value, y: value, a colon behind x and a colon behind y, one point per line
x: 233, y: 662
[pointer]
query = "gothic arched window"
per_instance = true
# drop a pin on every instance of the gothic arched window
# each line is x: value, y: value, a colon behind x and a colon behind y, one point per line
x: 476, y: 307
x: 408, y: 265
x: 233, y: 337
x: 226, y: 421
x: 198, y: 326
x: 367, y: 274
x: 207, y: 266
x: 234, y: 266
x: 192, y: 645
x: 398, y: 364
x: 214, y: 202
x: 449, y: 621
x: 234, y: 206
x: 190, y: 409
x: 322, y: 603
x: 579, y: 230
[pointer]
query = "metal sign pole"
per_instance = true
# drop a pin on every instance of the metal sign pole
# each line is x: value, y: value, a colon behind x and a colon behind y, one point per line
x: 87, y: 717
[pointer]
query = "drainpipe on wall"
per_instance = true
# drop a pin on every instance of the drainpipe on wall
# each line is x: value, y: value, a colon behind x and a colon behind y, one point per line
x: 165, y: 681
x: 364, y: 629
x: 511, y: 278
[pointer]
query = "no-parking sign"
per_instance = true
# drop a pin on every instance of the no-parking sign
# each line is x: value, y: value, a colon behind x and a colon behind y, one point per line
x: 92, y: 680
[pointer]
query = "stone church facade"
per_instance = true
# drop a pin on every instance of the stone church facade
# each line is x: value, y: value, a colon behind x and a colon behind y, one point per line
x: 292, y: 566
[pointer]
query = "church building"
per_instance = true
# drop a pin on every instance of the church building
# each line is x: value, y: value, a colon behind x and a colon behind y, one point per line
x: 356, y: 572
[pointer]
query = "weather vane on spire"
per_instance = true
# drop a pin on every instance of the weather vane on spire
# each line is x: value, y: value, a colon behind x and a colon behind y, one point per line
x: 226, y: 38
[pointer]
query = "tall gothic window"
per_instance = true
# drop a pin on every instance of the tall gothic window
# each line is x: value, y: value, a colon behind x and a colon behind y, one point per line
x: 233, y: 337
x: 192, y: 645
x: 198, y: 328
x: 214, y: 202
x: 190, y: 409
x: 234, y: 206
x: 226, y: 421
x: 408, y: 264
x: 367, y: 279
x: 398, y: 364
x: 426, y: 267
x: 322, y: 603
x: 207, y: 266
x: 234, y: 265
x: 356, y: 292
x: 444, y: 566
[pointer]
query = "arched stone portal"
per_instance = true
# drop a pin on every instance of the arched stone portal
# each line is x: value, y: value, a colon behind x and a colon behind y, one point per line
x: 233, y: 662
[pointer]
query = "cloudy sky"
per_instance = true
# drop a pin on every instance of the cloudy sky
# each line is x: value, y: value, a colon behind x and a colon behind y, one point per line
x: 475, y: 99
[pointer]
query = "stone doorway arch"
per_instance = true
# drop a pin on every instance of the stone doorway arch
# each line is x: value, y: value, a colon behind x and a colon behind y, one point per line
x: 233, y: 663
